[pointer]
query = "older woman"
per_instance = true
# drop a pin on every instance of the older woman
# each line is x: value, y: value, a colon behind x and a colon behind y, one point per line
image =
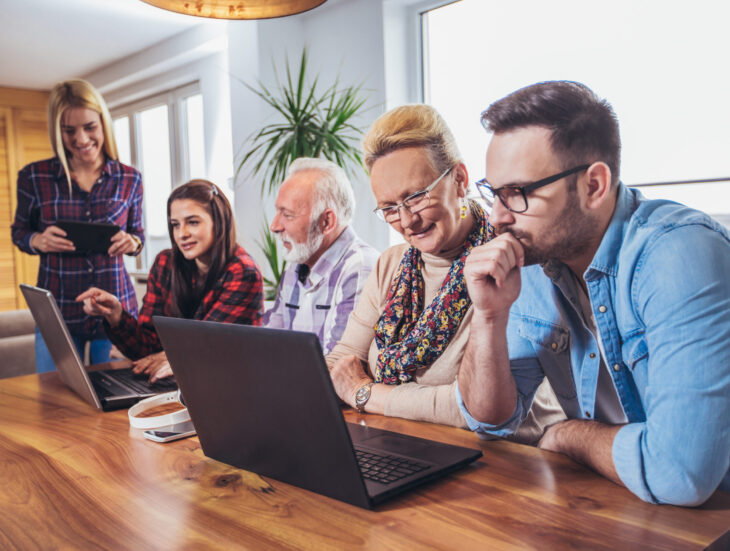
x: 402, y: 348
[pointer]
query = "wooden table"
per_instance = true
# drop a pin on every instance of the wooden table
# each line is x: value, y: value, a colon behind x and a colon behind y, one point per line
x: 74, y: 478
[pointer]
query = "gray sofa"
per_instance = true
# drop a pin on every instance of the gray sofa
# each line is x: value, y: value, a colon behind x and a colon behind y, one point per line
x: 17, y: 343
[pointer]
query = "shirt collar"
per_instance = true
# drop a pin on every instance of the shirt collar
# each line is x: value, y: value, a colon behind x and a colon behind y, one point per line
x: 331, y: 257
x: 606, y: 258
x: 61, y: 174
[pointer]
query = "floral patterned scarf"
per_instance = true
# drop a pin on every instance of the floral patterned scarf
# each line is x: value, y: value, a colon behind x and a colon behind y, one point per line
x: 410, y: 337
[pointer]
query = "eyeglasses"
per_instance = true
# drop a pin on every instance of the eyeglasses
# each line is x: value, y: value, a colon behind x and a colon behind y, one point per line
x: 514, y: 198
x: 413, y: 203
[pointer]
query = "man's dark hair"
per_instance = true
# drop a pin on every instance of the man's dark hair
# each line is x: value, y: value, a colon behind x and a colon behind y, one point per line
x: 584, y: 127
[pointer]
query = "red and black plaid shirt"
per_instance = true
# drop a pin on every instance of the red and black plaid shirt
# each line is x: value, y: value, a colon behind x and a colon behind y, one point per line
x: 43, y: 198
x: 237, y: 297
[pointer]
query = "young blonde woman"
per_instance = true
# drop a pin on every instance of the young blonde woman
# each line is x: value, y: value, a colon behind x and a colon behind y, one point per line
x: 85, y: 182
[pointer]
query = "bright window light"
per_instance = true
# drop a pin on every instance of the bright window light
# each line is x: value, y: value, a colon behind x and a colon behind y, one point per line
x: 155, y: 165
x: 121, y: 136
x: 195, y: 135
x: 662, y: 65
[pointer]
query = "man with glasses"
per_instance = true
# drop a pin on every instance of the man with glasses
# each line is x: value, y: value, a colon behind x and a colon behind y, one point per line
x: 622, y: 303
x: 328, y: 262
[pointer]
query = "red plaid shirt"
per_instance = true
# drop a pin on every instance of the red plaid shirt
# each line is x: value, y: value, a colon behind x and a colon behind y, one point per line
x: 43, y: 198
x: 237, y: 297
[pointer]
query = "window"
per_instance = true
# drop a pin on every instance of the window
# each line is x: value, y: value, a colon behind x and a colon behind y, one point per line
x: 658, y: 64
x: 161, y: 136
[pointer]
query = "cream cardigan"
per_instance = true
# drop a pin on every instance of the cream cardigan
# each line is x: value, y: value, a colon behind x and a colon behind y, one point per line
x: 430, y: 395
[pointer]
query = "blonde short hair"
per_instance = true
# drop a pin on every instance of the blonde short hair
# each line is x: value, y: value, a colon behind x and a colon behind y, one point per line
x: 77, y: 93
x: 416, y: 125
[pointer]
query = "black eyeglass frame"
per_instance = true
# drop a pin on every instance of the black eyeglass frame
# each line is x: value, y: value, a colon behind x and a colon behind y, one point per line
x: 528, y: 188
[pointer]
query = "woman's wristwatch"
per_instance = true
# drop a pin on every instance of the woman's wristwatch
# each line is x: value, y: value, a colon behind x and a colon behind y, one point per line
x: 138, y: 242
x: 362, y: 396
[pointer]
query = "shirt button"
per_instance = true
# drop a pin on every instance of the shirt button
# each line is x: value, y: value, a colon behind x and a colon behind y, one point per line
x: 88, y: 213
x: 602, y: 308
x: 91, y: 270
x: 554, y: 345
x: 616, y: 367
x: 592, y: 355
x: 98, y: 181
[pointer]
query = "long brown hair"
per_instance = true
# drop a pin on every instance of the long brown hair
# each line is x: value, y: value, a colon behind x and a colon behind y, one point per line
x: 186, y: 295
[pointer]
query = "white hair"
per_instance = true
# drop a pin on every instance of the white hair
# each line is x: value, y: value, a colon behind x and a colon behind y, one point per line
x: 332, y: 191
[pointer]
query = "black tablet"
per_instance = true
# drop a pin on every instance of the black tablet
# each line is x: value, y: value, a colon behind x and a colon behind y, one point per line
x: 89, y: 237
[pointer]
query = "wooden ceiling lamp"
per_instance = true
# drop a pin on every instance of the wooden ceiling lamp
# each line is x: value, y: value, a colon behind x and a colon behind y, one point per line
x: 237, y: 9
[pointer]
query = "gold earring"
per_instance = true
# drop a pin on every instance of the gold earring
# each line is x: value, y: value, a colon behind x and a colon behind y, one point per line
x: 463, y: 209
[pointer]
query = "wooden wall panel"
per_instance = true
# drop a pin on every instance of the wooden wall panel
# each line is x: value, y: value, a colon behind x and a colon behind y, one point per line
x: 8, y: 299
x: 23, y: 140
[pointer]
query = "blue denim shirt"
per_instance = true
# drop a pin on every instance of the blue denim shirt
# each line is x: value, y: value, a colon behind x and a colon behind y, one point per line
x: 659, y: 287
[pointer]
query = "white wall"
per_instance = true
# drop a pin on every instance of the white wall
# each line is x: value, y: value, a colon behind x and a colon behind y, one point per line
x: 348, y: 38
x: 343, y: 37
x: 199, y: 54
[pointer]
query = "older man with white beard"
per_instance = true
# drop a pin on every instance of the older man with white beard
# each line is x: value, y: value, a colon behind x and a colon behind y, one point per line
x: 327, y: 262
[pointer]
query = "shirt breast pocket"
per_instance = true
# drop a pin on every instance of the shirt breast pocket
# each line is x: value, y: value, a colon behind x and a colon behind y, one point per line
x: 113, y: 211
x: 552, y: 346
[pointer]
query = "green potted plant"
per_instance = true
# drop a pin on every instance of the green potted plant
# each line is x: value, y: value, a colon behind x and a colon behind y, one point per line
x: 311, y: 122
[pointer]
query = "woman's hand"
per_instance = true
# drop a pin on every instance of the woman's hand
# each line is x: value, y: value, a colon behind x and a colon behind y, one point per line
x: 100, y: 303
x: 52, y: 240
x: 348, y: 374
x: 122, y: 243
x: 156, y: 365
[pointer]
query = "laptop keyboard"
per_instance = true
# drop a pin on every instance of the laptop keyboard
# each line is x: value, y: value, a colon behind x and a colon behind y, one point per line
x: 140, y: 382
x: 386, y: 468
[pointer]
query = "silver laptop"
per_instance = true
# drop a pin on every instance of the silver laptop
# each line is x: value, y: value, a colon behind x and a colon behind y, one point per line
x: 262, y: 400
x: 104, y: 389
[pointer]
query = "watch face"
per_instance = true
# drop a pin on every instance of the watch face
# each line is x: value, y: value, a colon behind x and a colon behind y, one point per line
x: 363, y: 394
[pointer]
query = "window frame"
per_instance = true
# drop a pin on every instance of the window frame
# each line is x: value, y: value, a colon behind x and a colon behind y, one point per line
x: 174, y: 99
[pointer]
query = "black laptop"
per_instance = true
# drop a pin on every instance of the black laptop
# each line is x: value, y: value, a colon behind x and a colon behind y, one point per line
x: 104, y: 389
x: 262, y: 400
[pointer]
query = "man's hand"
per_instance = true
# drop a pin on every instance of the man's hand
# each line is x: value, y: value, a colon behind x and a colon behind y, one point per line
x: 100, y: 303
x: 348, y: 375
x: 492, y: 273
x: 486, y: 384
x: 52, y: 240
x: 156, y: 365
x: 122, y: 243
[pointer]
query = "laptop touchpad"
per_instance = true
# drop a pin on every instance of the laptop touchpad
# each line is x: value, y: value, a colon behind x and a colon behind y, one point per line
x: 397, y: 444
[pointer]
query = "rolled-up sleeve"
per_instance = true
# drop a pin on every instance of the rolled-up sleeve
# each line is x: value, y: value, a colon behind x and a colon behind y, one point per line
x: 527, y: 374
x: 681, y: 291
x: 485, y: 430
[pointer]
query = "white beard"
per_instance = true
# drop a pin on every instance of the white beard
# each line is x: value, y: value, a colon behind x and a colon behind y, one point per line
x: 301, y: 252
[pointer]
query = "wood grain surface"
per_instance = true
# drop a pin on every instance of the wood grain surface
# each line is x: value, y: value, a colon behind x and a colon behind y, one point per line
x: 74, y: 478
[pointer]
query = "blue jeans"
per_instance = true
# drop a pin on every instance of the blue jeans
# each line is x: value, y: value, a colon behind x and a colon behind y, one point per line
x: 99, y: 352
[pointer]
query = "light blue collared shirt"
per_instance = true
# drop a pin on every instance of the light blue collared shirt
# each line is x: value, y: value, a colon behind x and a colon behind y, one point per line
x: 659, y: 288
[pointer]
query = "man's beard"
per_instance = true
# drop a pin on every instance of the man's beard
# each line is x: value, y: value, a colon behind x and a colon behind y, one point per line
x: 569, y: 236
x: 301, y: 252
